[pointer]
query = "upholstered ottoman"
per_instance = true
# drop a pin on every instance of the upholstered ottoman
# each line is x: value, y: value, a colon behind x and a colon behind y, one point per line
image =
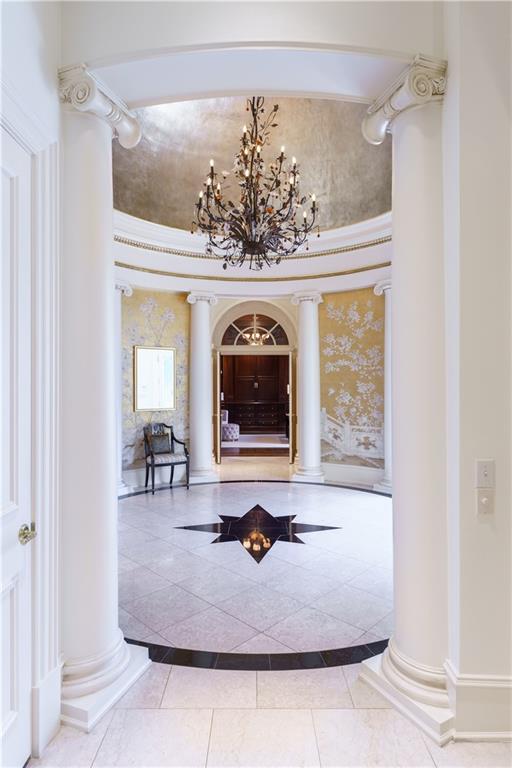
x: 230, y: 431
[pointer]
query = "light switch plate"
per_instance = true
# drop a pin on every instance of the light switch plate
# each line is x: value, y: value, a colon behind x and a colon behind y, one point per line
x: 485, y: 501
x: 484, y: 473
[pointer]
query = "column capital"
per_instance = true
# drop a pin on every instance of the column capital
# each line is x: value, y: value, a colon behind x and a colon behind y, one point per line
x: 313, y: 296
x: 192, y: 298
x: 124, y: 288
x: 382, y: 287
x: 423, y: 81
x: 81, y: 90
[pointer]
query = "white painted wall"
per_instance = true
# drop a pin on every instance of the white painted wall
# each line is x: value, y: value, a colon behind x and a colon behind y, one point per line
x: 101, y: 31
x: 477, y: 190
x: 30, y: 58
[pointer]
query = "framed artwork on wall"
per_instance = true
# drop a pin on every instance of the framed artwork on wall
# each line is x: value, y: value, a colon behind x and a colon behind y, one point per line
x: 154, y: 386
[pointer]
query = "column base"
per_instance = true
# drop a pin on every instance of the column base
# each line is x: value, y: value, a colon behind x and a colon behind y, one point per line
x: 434, y: 719
x: 384, y: 486
x: 314, y: 475
x: 83, y: 712
x: 198, y: 476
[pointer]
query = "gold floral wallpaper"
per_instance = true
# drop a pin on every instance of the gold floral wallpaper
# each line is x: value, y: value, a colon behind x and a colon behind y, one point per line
x: 154, y: 319
x: 352, y: 377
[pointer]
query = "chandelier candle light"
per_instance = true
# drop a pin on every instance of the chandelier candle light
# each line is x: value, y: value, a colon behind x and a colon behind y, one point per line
x: 271, y: 220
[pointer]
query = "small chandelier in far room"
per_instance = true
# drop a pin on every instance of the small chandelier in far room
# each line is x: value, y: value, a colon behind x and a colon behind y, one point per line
x: 255, y: 336
x: 271, y: 220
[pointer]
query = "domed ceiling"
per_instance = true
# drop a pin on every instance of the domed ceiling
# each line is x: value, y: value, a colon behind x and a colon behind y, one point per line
x: 159, y: 180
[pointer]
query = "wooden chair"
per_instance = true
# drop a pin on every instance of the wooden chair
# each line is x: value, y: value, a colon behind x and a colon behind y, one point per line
x: 159, y: 447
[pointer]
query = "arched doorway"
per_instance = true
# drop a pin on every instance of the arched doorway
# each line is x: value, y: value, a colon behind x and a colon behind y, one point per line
x: 254, y: 382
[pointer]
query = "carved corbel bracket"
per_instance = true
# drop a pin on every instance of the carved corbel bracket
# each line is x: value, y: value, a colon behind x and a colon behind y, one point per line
x: 81, y: 90
x: 424, y: 80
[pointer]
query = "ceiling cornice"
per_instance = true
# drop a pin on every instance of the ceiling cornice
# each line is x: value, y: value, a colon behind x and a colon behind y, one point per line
x: 198, y: 255
x: 224, y: 279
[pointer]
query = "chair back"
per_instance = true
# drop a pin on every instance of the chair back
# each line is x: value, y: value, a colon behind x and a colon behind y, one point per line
x: 156, y: 438
x: 224, y: 415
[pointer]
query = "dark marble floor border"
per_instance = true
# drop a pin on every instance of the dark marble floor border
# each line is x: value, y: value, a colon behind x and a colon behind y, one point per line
x: 270, y: 662
x: 146, y: 491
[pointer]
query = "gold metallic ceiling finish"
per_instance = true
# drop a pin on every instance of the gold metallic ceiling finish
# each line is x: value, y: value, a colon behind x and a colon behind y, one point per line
x: 159, y: 180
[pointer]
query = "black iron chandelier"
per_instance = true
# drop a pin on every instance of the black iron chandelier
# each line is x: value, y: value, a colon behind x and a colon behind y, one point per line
x: 271, y: 219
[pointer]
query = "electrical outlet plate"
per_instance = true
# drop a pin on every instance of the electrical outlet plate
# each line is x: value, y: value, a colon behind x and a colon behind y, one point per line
x: 484, y: 501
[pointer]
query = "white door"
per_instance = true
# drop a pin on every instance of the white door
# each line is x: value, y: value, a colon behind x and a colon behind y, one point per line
x: 15, y: 453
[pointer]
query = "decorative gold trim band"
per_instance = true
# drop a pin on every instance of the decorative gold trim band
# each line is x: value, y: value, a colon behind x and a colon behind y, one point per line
x: 197, y: 255
x: 222, y: 279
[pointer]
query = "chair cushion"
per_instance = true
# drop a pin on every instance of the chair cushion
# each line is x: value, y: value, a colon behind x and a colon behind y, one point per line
x: 168, y: 458
x: 230, y: 431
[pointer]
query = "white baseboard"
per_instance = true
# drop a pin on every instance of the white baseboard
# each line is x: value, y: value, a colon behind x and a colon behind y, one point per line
x: 46, y: 710
x: 135, y: 477
x: 85, y: 711
x: 483, y: 704
x: 350, y: 474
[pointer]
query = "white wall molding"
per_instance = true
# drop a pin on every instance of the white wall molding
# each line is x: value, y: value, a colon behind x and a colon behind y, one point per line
x: 351, y: 474
x: 162, y: 258
x: 424, y: 80
x: 83, y: 91
x: 127, y: 227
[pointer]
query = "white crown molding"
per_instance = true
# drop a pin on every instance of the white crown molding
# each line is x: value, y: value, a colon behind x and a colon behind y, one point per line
x: 424, y: 80
x: 81, y: 90
x: 131, y: 228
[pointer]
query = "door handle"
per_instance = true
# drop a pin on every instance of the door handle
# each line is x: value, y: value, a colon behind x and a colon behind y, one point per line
x: 26, y: 534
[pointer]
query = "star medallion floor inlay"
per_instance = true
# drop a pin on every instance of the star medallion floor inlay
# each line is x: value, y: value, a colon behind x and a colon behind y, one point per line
x: 258, y: 530
x: 334, y: 591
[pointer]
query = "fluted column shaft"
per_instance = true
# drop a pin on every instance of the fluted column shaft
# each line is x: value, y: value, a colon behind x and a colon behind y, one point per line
x: 201, y: 401
x: 308, y: 389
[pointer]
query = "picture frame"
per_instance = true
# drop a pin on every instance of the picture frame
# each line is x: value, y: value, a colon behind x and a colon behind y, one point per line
x: 154, y: 378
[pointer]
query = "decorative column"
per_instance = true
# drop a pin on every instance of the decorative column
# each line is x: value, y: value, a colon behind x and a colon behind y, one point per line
x: 384, y: 287
x: 308, y: 389
x: 98, y: 665
x: 201, y: 392
x: 122, y: 289
x: 411, y: 671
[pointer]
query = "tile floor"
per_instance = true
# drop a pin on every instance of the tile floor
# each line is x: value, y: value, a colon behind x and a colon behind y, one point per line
x: 180, y: 716
x: 177, y: 588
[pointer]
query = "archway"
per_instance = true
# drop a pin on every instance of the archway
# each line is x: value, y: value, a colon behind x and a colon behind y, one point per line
x: 254, y: 383
x: 422, y: 637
